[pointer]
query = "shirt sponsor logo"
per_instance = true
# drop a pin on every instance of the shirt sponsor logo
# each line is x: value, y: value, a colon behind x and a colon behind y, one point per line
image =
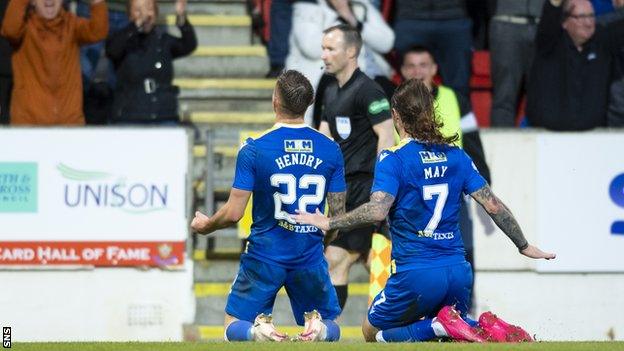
x: 18, y: 187
x: 432, y: 157
x: 343, y: 126
x: 378, y: 106
x: 298, y: 146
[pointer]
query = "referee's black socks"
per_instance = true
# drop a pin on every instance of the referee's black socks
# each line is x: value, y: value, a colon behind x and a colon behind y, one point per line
x: 342, y: 291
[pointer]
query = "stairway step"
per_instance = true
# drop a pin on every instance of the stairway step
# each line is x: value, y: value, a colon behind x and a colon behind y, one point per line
x: 215, y: 332
x: 220, y: 66
x: 209, y: 310
x: 214, y: 7
x: 235, y: 118
x: 244, y: 51
x: 249, y: 104
x: 225, y: 83
x: 221, y: 289
x: 214, y: 20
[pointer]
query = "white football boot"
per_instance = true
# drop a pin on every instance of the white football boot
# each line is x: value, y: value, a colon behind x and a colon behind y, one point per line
x: 264, y: 330
x: 314, y: 328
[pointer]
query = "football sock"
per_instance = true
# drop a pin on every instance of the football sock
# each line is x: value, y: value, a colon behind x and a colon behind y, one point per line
x: 333, y: 330
x: 239, y: 331
x: 342, y: 291
x: 417, y: 331
x: 471, y: 322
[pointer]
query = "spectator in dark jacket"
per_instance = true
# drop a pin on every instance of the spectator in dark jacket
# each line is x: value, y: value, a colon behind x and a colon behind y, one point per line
x: 143, y: 57
x: 570, y: 77
x: 443, y: 26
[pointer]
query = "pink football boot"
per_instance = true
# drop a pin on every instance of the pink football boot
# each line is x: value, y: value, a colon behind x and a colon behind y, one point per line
x: 502, y: 331
x: 457, y: 328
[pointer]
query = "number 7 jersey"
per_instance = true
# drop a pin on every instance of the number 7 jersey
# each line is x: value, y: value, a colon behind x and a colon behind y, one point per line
x: 288, y: 168
x: 428, y: 182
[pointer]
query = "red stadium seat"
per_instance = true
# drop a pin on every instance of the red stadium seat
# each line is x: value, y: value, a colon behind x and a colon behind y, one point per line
x: 481, y: 87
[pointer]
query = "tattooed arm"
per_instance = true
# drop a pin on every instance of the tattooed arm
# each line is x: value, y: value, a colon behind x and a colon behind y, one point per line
x: 505, y: 220
x: 375, y: 210
x: 336, y: 203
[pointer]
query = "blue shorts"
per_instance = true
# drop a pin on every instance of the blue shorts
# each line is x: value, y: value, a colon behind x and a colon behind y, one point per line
x: 420, y: 293
x: 257, y: 283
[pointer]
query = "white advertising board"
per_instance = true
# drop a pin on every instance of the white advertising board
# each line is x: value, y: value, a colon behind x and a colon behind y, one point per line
x: 103, y: 197
x: 580, y: 201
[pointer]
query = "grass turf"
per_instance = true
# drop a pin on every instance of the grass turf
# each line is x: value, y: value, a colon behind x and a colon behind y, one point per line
x: 347, y: 346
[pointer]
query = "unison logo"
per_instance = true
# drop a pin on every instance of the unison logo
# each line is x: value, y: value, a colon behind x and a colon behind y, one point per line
x: 90, y: 189
x: 616, y: 191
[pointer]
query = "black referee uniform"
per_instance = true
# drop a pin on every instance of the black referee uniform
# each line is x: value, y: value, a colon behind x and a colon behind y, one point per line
x: 351, y: 112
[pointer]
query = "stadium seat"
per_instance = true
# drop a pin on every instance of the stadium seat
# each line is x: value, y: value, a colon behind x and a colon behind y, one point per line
x: 481, y: 87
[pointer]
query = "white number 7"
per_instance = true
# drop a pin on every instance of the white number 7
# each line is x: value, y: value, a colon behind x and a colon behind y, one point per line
x: 442, y: 191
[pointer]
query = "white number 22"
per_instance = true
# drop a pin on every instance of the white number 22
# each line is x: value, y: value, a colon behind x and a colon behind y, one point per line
x: 290, y: 196
x: 441, y: 190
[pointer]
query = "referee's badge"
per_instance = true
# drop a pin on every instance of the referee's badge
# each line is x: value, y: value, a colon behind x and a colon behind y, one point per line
x: 343, y: 126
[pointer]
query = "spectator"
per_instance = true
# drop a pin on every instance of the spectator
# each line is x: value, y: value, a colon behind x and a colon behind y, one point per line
x: 46, y: 67
x: 98, y: 74
x: 6, y: 76
x: 143, y: 56
x: 615, y: 111
x: 570, y: 77
x: 280, y: 27
x: 512, y: 38
x: 455, y: 113
x: 311, y: 18
x: 443, y: 26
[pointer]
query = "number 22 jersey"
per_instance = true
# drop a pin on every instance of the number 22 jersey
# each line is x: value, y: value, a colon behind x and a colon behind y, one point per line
x: 289, y: 167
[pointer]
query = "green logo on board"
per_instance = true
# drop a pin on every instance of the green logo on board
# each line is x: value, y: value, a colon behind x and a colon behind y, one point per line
x: 18, y: 187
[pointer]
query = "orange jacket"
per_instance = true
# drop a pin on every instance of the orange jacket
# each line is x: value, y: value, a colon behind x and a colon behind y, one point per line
x: 47, y: 84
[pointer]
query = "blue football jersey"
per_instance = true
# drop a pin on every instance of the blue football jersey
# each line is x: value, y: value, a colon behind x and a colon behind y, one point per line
x: 427, y: 183
x: 289, y: 167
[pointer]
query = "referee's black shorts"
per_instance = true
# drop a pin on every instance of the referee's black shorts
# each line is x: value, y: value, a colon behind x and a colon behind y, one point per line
x: 358, y: 239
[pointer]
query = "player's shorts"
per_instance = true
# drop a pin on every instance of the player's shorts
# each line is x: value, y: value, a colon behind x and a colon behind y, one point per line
x: 414, y: 294
x: 359, y: 239
x: 257, y: 283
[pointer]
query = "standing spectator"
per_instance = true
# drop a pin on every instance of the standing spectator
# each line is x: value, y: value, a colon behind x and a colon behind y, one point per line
x: 512, y: 38
x: 91, y: 54
x: 143, y: 56
x: 46, y: 67
x: 356, y: 114
x: 98, y: 74
x: 445, y: 28
x: 570, y: 77
x: 309, y: 21
x: 615, y: 111
x: 278, y: 45
x: 6, y: 76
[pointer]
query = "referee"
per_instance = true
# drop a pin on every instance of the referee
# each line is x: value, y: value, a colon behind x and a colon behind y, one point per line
x: 356, y: 114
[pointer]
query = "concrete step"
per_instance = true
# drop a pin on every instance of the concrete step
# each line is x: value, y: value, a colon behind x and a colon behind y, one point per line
x: 224, y: 61
x: 218, y: 30
x: 213, y: 7
x: 225, y: 88
x: 187, y: 105
x: 215, y: 332
x: 210, y: 310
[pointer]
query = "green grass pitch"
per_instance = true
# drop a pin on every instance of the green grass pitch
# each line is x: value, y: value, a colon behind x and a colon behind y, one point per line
x: 290, y: 346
